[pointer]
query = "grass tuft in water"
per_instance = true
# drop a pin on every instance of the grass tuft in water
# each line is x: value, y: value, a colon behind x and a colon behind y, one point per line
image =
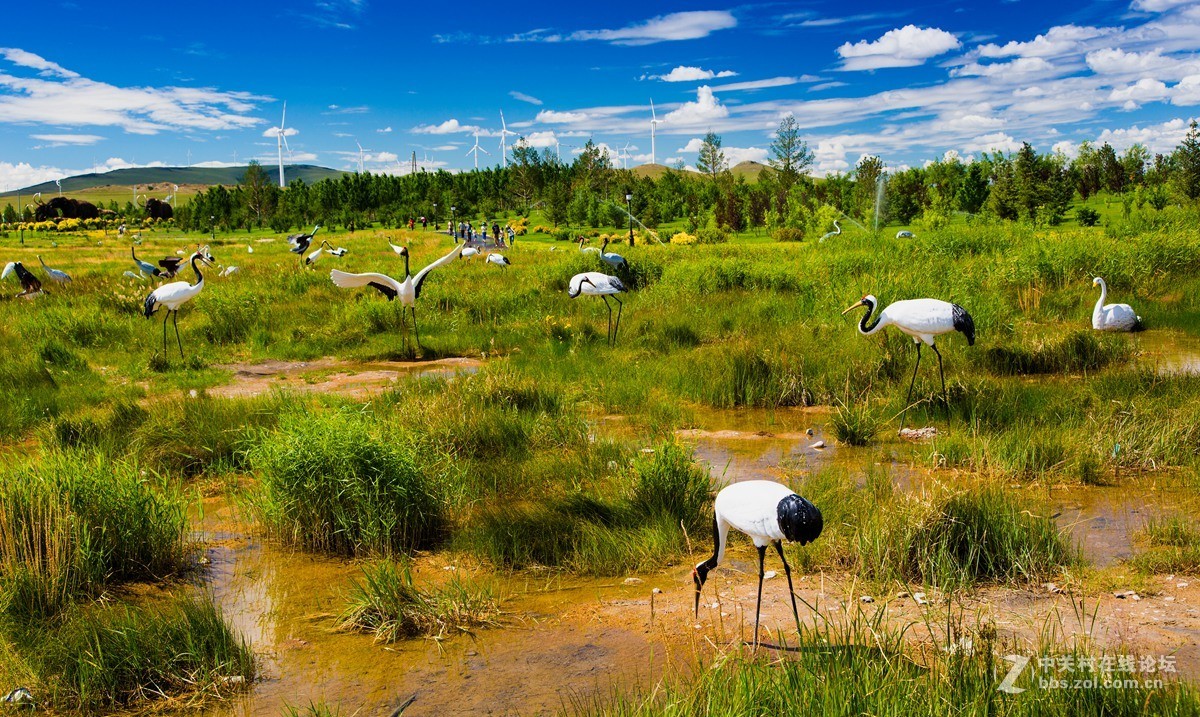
x: 388, y: 604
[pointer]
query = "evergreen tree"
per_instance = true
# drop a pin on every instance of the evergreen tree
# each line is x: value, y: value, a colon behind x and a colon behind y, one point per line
x: 712, y: 159
x: 790, y: 155
x: 1186, y: 163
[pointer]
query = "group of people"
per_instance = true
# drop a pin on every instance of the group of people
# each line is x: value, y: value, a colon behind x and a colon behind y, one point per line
x: 467, y: 232
x: 412, y: 223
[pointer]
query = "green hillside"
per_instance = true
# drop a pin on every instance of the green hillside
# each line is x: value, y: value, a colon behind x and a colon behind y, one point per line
x: 174, y: 175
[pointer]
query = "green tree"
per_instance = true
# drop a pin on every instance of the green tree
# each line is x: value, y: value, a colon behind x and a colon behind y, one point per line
x: 712, y: 159
x: 790, y: 155
x: 260, y: 193
x: 1186, y: 163
x: 973, y: 192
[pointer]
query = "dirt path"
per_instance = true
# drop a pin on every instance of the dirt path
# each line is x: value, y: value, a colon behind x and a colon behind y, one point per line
x: 329, y: 375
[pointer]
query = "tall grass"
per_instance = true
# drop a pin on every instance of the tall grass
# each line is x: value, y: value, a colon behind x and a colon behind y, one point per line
x: 71, y: 524
x: 1173, y: 545
x: 106, y: 657
x: 328, y: 481
x: 388, y: 604
x: 863, y: 667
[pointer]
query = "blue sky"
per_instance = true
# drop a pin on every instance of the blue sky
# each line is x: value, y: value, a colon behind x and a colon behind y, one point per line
x: 204, y: 83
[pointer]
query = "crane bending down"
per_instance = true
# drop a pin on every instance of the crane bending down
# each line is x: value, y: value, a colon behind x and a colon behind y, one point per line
x: 325, y: 247
x: 408, y: 290
x: 837, y: 230
x: 30, y: 285
x: 593, y: 283
x: 1113, y: 317
x: 144, y: 266
x: 60, y: 276
x: 768, y: 513
x: 924, y: 320
x: 499, y: 260
x: 174, y: 295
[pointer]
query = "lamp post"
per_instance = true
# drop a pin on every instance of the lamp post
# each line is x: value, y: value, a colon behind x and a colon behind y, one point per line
x: 629, y: 211
x: 453, y: 229
x: 212, y: 226
x: 435, y: 215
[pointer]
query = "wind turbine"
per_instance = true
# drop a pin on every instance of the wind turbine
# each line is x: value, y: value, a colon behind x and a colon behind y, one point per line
x: 360, y: 157
x: 504, y: 132
x: 476, y: 150
x: 59, y: 183
x: 625, y: 154
x: 654, y: 122
x: 281, y: 142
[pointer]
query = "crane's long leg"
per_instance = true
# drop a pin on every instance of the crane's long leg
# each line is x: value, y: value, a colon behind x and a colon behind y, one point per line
x: 175, y: 322
x: 762, y: 555
x: 416, y: 331
x: 942, y: 373
x: 787, y: 570
x: 908, y: 400
x: 620, y: 306
x: 609, y: 334
x: 165, y: 317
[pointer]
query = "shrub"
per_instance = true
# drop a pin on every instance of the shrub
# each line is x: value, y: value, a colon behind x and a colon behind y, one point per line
x: 683, y: 238
x: 1087, y: 217
x: 712, y: 236
x: 388, y: 604
x: 670, y: 484
x: 328, y: 483
x: 788, y: 234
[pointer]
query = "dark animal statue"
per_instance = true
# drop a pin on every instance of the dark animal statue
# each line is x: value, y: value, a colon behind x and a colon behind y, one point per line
x: 66, y: 208
x: 157, y: 209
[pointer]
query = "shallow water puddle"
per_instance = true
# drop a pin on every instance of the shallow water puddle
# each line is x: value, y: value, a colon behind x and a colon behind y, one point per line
x: 1170, y: 352
x: 755, y: 444
x: 330, y: 375
x: 559, y: 640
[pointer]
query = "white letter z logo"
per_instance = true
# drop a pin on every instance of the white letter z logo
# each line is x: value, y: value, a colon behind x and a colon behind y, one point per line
x: 1010, y: 680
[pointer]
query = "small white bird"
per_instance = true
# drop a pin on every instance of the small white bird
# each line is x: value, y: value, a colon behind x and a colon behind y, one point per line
x: 174, y: 295
x: 593, y: 283
x: 408, y: 290
x: 616, y: 261
x: 498, y: 259
x: 1113, y: 317
x: 768, y: 513
x: 924, y: 320
x: 837, y: 229
x: 340, y: 251
x: 904, y: 234
x: 469, y: 252
x: 132, y: 275
x: 59, y: 276
x: 249, y: 250
x: 229, y: 271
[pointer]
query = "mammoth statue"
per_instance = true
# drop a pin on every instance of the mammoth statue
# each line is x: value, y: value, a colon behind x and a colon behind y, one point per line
x: 66, y: 208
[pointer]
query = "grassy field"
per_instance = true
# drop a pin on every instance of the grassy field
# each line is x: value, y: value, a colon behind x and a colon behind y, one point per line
x: 512, y: 465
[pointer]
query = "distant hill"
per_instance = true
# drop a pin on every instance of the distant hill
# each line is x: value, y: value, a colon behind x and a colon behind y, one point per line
x: 749, y: 170
x: 653, y: 171
x: 175, y: 175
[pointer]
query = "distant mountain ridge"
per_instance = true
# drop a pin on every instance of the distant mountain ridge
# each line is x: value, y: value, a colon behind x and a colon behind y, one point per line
x: 177, y: 175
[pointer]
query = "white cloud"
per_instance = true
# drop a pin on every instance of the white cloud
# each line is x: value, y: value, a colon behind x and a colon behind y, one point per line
x: 525, y: 98
x: 1057, y: 41
x: 23, y: 174
x: 274, y: 131
x: 906, y: 46
x: 705, y: 109
x: 1157, y: 138
x: 450, y: 126
x: 61, y: 97
x: 685, y: 73
x: 1144, y: 90
x: 1187, y: 92
x: 830, y: 156
x: 1066, y: 148
x: 994, y: 142
x: 63, y: 140
x: 1115, y: 61
x: 553, y: 117
x: 385, y: 130
x: 969, y: 123
x: 826, y: 86
x: 28, y: 59
x: 541, y: 140
x: 675, y: 26
x: 757, y: 84
x: 1159, y: 5
x: 1019, y: 66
